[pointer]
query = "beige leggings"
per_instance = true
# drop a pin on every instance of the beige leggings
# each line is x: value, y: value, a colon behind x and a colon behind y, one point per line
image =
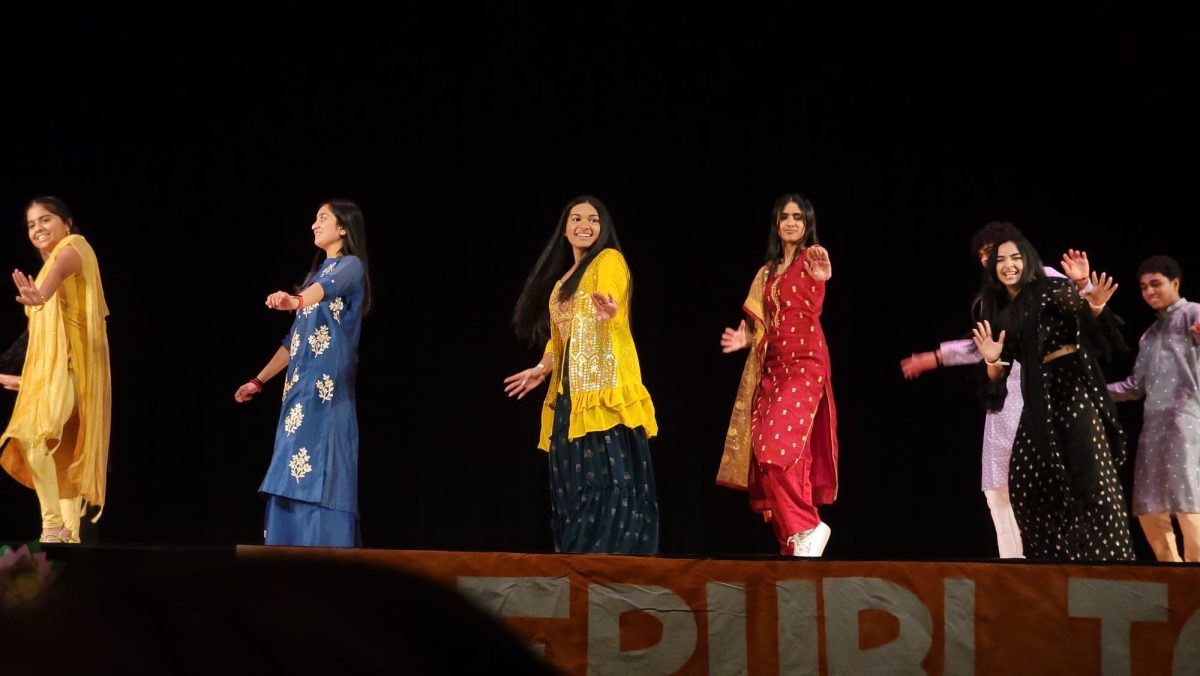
x: 60, y: 502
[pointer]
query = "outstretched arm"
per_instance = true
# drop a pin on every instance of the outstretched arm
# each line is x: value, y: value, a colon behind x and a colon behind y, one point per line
x: 273, y: 367
x: 66, y: 263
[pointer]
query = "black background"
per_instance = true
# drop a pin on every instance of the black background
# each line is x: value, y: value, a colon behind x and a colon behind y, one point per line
x: 195, y: 146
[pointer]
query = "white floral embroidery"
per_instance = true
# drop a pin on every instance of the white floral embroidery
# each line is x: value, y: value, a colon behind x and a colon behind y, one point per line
x: 309, y: 309
x: 336, y: 307
x: 325, y: 388
x: 287, y: 384
x: 299, y: 464
x: 328, y: 269
x: 295, y: 342
x: 319, y: 340
x: 294, y: 419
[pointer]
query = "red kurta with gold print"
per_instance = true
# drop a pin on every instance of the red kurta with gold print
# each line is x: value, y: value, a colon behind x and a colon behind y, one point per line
x: 793, y: 413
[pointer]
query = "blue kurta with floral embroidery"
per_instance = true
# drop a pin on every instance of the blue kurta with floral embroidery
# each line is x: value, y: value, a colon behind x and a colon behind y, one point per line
x: 316, y: 444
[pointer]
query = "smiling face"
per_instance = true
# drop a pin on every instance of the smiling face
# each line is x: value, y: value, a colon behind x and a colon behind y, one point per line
x: 327, y: 232
x: 1010, y: 265
x: 583, y: 226
x: 1159, y: 292
x: 46, y: 228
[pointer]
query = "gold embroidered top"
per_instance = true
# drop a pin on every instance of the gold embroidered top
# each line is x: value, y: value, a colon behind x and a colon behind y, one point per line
x: 605, y: 378
x: 67, y: 336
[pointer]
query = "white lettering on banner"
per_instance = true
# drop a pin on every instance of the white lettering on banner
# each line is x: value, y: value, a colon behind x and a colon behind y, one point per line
x: 958, y: 619
x: 606, y: 603
x: 845, y: 597
x: 1117, y: 605
x: 520, y: 597
x: 726, y: 628
x: 1187, y: 648
x: 797, y: 614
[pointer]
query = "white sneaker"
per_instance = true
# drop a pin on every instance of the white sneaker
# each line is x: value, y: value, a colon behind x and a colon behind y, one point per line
x: 810, y: 542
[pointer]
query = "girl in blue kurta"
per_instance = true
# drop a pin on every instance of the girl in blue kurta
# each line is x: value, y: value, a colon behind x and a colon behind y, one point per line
x: 311, y: 485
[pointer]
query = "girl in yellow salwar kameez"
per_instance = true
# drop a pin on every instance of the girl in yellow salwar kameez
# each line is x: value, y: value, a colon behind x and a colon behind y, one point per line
x: 597, y: 417
x: 57, y: 440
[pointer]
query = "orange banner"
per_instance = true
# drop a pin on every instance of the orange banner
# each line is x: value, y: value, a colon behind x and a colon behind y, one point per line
x: 648, y: 615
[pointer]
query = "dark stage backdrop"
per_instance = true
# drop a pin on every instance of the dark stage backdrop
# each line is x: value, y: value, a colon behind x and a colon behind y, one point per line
x: 196, y: 148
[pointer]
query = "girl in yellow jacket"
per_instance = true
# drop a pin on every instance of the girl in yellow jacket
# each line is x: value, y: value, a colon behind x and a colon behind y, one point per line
x: 597, y: 416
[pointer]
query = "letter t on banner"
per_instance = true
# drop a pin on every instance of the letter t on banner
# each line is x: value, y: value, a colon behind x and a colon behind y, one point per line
x: 1117, y: 605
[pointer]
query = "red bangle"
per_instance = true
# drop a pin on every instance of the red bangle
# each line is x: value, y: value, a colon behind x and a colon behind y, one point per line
x: 257, y: 383
x: 299, y: 300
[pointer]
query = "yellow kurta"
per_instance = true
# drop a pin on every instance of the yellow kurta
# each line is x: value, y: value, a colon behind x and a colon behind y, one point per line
x: 606, y: 380
x: 67, y: 337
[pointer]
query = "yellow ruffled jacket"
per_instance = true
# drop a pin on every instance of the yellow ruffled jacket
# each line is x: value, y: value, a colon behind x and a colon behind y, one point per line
x: 67, y: 334
x: 606, y: 380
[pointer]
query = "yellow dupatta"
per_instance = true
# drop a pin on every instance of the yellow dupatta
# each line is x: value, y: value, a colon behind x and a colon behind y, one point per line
x: 67, y: 334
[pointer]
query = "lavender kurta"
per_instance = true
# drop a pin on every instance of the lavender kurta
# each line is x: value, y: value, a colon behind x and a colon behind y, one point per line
x: 999, y: 427
x: 1167, y: 373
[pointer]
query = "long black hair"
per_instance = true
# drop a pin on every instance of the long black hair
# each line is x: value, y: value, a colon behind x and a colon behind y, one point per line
x: 531, y: 316
x: 1002, y: 312
x: 354, y: 243
x: 775, y: 243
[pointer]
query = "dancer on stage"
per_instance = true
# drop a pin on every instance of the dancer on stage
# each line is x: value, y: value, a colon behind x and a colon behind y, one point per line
x: 1166, y: 479
x: 312, y: 482
x: 1063, y: 480
x: 597, y: 416
x: 1000, y: 425
x: 57, y: 440
x: 782, y: 440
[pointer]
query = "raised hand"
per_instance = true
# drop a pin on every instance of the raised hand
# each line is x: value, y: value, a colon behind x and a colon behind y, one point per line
x: 10, y: 382
x: 733, y: 340
x: 1075, y: 265
x: 27, y: 291
x: 816, y: 261
x: 524, y: 382
x: 982, y: 335
x: 282, y: 300
x: 917, y: 364
x: 1103, y: 288
x: 606, y: 306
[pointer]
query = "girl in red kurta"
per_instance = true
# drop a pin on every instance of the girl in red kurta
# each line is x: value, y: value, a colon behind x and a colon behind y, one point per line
x: 782, y: 440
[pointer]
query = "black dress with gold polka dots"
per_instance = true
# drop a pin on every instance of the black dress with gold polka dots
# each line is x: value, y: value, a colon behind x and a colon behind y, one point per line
x: 1063, y: 480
